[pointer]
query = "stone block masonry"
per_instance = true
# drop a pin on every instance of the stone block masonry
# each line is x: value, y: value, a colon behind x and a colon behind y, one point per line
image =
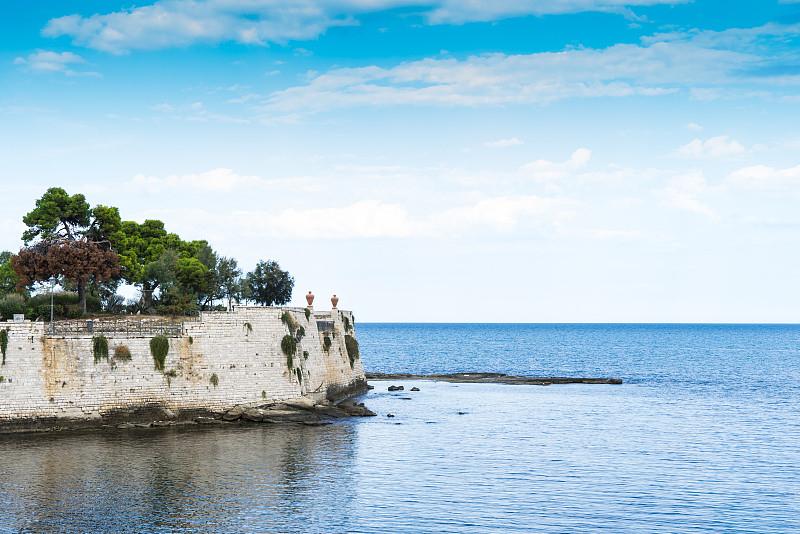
x: 224, y: 359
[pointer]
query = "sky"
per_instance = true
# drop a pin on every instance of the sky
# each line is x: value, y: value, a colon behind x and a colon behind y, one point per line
x: 432, y: 160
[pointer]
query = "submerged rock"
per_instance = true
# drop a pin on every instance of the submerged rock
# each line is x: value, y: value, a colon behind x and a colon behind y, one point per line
x: 206, y: 421
x: 414, y: 389
x: 234, y: 413
x: 253, y: 414
x: 396, y: 388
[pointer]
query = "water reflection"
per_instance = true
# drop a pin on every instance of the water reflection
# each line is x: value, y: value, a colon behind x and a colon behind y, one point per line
x: 255, y: 478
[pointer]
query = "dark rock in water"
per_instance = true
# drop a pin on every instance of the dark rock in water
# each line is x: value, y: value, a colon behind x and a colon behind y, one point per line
x: 462, y: 413
x: 405, y: 398
x: 234, y: 413
x: 206, y: 421
x: 396, y: 388
x: 370, y: 387
x: 389, y: 415
x: 331, y: 411
x: 253, y: 414
x: 414, y: 389
x: 358, y: 411
x: 493, y: 378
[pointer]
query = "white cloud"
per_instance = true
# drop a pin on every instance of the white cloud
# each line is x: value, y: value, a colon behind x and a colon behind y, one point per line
x: 44, y: 61
x: 499, y: 79
x: 217, y: 180
x: 543, y: 170
x: 682, y: 193
x: 364, y: 219
x: 712, y: 148
x: 694, y: 126
x: 170, y: 23
x: 765, y: 177
x: 502, y: 143
x: 500, y: 214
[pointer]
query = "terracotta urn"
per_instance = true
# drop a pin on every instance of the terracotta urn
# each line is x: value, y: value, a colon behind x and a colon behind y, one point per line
x: 334, y: 301
x: 310, y: 299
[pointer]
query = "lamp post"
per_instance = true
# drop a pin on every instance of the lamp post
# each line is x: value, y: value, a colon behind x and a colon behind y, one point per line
x: 52, y: 285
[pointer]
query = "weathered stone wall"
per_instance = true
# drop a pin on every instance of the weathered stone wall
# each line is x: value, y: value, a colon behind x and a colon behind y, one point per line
x: 47, y: 376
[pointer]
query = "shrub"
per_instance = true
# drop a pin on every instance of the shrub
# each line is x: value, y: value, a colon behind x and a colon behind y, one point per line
x: 351, y: 344
x: 191, y: 340
x: 122, y: 353
x: 305, y: 354
x: 288, y: 320
x: 346, y: 322
x: 248, y: 327
x: 173, y: 373
x: 308, y: 314
x: 289, y: 348
x: 11, y: 304
x: 301, y: 332
x: 4, y: 343
x: 159, y: 347
x: 100, y: 348
x: 299, y: 374
x: 263, y: 394
x: 93, y: 304
x: 70, y: 311
x: 214, y: 380
x: 326, y: 342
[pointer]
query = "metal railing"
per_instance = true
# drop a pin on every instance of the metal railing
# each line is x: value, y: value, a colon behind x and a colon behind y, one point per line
x: 123, y: 326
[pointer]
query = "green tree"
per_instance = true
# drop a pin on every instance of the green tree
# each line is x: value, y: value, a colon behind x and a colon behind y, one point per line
x: 228, y: 275
x: 57, y: 216
x: 8, y: 278
x: 70, y: 240
x: 269, y: 284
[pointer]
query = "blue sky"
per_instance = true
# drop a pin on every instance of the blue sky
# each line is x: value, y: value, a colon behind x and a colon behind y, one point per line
x: 437, y: 160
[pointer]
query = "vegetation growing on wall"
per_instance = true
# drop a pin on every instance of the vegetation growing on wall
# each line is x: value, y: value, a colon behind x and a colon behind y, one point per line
x: 288, y: 320
x: 326, y: 343
x: 122, y: 353
x: 308, y: 314
x: 305, y: 354
x: 346, y: 321
x: 214, y: 380
x: 299, y: 374
x: 289, y: 348
x: 301, y: 332
x: 159, y: 347
x: 248, y: 327
x: 100, y: 348
x: 4, y: 343
x: 351, y: 344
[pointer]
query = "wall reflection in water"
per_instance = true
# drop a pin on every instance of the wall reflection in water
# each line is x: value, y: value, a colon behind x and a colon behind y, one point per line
x: 232, y: 479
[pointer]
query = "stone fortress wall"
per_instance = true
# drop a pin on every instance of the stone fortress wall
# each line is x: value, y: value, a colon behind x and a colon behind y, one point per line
x: 221, y: 360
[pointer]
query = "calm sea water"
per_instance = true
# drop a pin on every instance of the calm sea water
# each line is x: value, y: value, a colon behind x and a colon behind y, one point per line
x: 703, y: 436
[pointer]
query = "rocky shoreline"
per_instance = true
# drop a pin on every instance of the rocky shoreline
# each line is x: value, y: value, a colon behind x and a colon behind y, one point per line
x: 494, y: 378
x: 300, y: 411
x: 296, y: 411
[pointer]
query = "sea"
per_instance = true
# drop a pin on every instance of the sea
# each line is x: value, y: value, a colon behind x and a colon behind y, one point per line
x: 702, y: 436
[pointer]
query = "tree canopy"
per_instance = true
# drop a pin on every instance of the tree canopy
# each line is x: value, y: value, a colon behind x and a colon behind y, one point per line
x: 269, y: 284
x: 94, y: 248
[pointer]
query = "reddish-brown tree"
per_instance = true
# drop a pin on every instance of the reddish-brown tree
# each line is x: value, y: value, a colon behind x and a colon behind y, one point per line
x: 78, y: 261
